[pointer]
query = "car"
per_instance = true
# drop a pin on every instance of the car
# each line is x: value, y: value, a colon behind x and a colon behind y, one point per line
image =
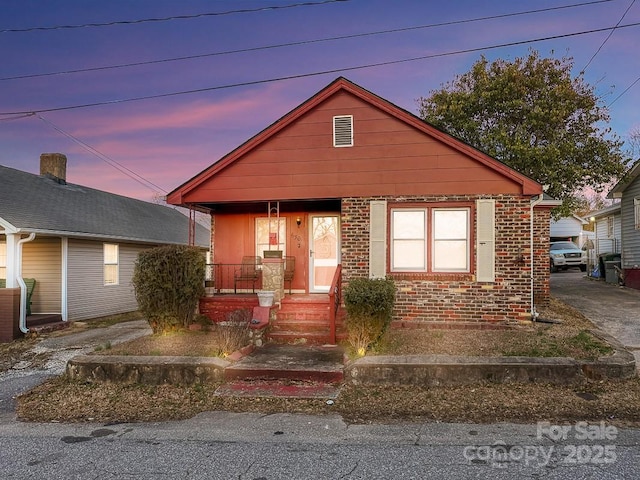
x: 563, y: 255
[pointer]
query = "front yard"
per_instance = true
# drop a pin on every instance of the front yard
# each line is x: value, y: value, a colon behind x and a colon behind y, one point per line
x: 614, y: 401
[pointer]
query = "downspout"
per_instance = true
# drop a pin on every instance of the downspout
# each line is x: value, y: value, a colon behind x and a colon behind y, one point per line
x: 534, y: 203
x: 23, y: 287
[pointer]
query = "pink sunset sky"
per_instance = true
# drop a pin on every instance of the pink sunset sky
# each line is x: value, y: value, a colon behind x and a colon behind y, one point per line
x: 170, y: 139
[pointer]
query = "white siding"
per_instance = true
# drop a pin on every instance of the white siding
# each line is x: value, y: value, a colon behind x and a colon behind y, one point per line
x: 630, y: 235
x: 88, y: 297
x: 42, y: 260
x: 566, y: 227
x: 603, y: 242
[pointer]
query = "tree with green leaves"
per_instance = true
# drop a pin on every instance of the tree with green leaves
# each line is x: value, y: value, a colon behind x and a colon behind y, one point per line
x: 532, y: 115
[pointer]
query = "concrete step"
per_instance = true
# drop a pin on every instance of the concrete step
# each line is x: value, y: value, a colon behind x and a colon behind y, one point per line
x: 279, y: 389
x: 310, y: 338
x: 305, y: 363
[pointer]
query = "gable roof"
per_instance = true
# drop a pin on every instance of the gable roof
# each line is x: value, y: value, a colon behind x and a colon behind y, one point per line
x: 627, y: 179
x: 179, y: 195
x: 33, y: 203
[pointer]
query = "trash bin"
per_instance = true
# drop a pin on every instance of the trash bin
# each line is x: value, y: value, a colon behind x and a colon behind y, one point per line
x: 611, y: 274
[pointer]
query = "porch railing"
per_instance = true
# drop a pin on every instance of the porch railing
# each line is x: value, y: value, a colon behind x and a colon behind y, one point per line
x: 222, y: 277
x: 335, y: 298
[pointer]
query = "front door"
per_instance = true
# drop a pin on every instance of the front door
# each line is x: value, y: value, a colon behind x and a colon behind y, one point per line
x: 324, y: 251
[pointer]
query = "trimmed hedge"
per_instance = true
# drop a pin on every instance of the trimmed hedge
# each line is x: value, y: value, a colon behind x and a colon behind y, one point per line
x: 168, y: 283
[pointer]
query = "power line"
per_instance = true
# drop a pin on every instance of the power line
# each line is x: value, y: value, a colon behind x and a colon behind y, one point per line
x: 164, y: 19
x: 302, y: 42
x: 314, y: 74
x: 624, y: 91
x: 608, y: 36
x: 108, y: 160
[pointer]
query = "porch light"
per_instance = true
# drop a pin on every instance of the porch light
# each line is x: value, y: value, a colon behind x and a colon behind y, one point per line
x: 298, y: 221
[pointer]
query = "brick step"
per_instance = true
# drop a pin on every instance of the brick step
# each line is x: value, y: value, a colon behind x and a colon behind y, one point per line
x: 303, y: 315
x: 300, y: 325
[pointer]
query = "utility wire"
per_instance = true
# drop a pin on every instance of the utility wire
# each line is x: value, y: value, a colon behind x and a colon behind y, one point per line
x: 624, y: 91
x: 302, y: 42
x: 108, y: 160
x: 314, y: 74
x: 164, y: 19
x: 608, y: 36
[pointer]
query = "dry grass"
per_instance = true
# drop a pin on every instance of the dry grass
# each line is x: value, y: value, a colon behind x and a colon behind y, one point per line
x: 614, y: 401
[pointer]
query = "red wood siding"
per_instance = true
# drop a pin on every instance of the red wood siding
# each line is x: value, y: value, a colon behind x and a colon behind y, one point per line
x: 389, y: 157
x: 234, y: 238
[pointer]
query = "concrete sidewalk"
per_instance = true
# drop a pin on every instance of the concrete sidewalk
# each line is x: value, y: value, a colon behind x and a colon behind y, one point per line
x: 613, y: 309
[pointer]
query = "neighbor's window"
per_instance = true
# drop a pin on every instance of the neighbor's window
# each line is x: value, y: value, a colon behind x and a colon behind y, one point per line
x: 3, y: 260
x: 430, y: 239
x: 609, y: 227
x: 636, y: 212
x: 110, y: 264
x: 271, y: 234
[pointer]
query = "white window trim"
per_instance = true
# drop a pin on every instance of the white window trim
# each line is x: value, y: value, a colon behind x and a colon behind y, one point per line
x: 105, y: 263
x: 636, y: 212
x: 3, y: 260
x: 610, y: 227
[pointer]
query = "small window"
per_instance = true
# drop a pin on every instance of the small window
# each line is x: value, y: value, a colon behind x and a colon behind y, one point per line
x: 636, y: 212
x: 610, y: 227
x: 3, y: 260
x: 408, y: 240
x: 270, y: 236
x: 343, y: 131
x: 451, y: 240
x: 110, y: 264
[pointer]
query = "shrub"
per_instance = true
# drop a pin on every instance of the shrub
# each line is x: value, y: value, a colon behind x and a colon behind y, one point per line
x: 168, y: 283
x: 232, y: 334
x: 369, y: 304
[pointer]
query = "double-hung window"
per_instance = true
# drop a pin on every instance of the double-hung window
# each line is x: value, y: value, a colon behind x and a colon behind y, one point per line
x: 271, y: 234
x: 110, y: 251
x: 430, y: 239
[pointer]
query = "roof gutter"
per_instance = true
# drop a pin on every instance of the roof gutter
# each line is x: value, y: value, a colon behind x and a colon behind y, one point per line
x: 23, y: 287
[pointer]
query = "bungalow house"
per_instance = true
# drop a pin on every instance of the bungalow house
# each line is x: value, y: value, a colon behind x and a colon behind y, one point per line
x: 351, y: 183
x: 628, y: 192
x: 78, y: 244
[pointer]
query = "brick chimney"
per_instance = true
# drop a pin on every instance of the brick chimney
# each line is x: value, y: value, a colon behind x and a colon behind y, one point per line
x: 54, y: 166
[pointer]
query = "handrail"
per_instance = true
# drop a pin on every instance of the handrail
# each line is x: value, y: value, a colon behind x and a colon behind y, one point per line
x: 335, y: 298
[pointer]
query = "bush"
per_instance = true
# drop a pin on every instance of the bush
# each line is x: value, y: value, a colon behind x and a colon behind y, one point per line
x: 168, y: 283
x: 369, y: 305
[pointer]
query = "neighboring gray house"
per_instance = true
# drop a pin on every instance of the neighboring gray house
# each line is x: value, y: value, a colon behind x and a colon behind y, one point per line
x: 628, y: 191
x: 607, y: 229
x: 78, y: 243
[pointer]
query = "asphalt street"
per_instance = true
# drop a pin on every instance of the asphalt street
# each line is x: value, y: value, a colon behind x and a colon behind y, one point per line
x: 225, y: 445
x: 219, y: 445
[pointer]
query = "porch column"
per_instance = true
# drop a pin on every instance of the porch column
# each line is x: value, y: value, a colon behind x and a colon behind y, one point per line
x: 273, y: 277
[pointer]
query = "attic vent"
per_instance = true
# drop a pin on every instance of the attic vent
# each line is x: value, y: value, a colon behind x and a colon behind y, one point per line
x: 343, y: 131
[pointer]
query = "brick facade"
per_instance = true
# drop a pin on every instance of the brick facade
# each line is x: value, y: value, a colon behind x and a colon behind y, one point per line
x: 446, y: 298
